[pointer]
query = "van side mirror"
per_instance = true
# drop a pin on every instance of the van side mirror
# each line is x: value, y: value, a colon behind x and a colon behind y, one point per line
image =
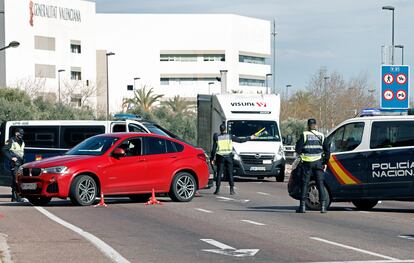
x: 289, y: 139
x: 283, y: 139
x: 118, y: 153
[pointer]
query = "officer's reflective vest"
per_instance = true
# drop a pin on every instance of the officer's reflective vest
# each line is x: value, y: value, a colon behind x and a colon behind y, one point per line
x: 17, y: 149
x: 312, y: 150
x: 224, y: 145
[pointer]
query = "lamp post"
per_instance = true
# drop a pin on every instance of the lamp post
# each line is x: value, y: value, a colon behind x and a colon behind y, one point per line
x: 267, y: 82
x: 107, y: 84
x: 326, y: 98
x: 209, y: 87
x: 402, y: 53
x: 391, y: 8
x: 287, y: 92
x: 274, y: 55
x: 12, y: 44
x: 59, y: 71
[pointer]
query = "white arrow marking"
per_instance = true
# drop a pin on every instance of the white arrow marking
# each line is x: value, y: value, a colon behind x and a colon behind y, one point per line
x: 228, y: 250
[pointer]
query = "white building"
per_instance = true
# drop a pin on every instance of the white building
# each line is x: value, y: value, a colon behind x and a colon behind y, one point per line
x: 174, y: 54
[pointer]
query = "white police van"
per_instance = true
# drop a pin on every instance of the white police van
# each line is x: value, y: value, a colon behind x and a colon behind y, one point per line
x: 372, y: 159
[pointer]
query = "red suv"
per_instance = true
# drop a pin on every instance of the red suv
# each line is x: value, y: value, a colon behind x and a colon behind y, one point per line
x: 129, y: 164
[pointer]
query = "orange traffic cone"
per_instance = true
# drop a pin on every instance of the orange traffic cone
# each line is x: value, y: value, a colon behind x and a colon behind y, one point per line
x: 153, y: 200
x: 102, y: 201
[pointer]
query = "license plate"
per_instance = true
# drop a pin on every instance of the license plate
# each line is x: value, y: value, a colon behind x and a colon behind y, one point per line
x: 267, y: 161
x: 257, y: 168
x: 28, y: 186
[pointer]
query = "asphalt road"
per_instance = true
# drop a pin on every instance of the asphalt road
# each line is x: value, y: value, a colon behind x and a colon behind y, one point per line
x: 211, y: 229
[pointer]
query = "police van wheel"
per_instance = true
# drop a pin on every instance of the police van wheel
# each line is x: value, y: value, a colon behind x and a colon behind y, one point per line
x: 183, y: 187
x: 281, y: 176
x: 83, y: 190
x: 365, y: 204
x: 40, y: 200
x: 312, y: 199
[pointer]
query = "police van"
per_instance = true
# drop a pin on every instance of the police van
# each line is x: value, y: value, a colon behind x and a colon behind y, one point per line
x: 372, y: 159
x: 49, y: 138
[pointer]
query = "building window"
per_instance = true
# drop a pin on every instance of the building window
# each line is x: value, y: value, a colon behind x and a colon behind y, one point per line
x: 252, y: 82
x: 186, y: 81
x: 45, y: 71
x: 251, y: 59
x: 44, y: 43
x: 75, y: 75
x: 74, y: 48
x: 165, y: 81
x: 76, y: 101
x: 192, y: 58
x: 214, y: 57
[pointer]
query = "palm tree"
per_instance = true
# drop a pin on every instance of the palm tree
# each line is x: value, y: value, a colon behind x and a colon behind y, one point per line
x: 143, y: 98
x: 179, y: 105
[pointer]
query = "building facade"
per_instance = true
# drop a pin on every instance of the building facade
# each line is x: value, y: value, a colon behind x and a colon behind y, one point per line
x: 65, y: 45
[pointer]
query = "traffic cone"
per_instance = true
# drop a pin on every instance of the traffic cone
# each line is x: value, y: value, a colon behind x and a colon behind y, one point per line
x: 102, y: 201
x: 153, y: 200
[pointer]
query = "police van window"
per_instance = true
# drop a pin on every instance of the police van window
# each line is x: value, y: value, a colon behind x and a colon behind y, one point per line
x: 135, y: 128
x: 39, y: 136
x: 389, y: 134
x: 155, y: 146
x: 346, y: 138
x: 132, y: 147
x: 73, y: 135
x: 119, y: 128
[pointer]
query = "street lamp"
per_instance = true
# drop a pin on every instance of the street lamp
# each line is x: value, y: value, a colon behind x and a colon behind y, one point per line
x: 287, y: 92
x: 326, y: 98
x: 402, y: 53
x: 59, y: 71
x: 391, y: 8
x: 136, y: 78
x: 12, y: 44
x: 107, y: 84
x: 209, y: 87
x: 267, y: 82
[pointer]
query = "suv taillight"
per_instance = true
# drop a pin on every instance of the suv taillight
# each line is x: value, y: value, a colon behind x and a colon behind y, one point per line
x: 202, y: 156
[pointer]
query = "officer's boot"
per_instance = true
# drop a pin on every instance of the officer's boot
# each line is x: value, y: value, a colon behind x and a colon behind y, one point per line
x: 14, y: 196
x: 301, y: 208
x: 217, y: 190
x: 323, y: 208
x: 232, y: 192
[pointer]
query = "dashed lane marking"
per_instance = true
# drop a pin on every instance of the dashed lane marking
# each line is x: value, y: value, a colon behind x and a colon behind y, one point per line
x: 203, y: 210
x: 353, y: 248
x: 407, y: 237
x: 98, y: 243
x: 223, y: 198
x: 253, y: 222
x: 261, y: 193
x: 370, y: 261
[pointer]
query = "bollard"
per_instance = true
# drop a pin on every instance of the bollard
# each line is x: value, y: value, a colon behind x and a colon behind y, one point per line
x: 153, y: 200
x: 102, y: 201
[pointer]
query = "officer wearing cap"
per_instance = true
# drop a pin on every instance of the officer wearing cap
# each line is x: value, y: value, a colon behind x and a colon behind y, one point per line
x: 14, y: 152
x: 222, y: 155
x: 314, y: 154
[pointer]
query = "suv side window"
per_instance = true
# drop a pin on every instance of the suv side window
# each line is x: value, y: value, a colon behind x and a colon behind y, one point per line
x: 388, y: 134
x: 155, y: 146
x: 135, y: 128
x: 346, y: 138
x: 132, y: 147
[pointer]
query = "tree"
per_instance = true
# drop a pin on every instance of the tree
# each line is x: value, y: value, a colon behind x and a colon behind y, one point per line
x: 143, y: 98
x: 179, y: 105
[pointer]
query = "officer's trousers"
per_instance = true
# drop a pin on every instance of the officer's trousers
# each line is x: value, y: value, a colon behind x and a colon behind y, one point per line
x: 224, y: 163
x: 315, y: 169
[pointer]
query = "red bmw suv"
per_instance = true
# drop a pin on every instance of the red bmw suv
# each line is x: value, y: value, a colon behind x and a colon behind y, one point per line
x: 127, y: 164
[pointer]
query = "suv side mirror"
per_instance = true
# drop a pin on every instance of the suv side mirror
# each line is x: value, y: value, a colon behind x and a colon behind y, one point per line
x: 118, y: 153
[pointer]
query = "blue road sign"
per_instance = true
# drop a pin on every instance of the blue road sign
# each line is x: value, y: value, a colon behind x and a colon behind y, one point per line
x: 395, y: 89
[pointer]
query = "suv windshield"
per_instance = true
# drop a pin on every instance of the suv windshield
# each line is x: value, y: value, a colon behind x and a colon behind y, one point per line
x: 263, y: 130
x: 93, y: 146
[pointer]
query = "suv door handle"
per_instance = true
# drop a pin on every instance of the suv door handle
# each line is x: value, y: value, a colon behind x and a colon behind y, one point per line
x: 174, y: 156
x: 141, y: 161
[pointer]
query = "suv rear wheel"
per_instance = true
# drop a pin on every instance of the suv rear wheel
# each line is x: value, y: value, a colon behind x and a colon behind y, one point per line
x: 365, y: 204
x: 183, y: 187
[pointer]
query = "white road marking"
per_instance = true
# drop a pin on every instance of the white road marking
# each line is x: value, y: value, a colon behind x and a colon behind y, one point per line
x: 353, y: 248
x: 253, y: 222
x: 217, y: 244
x: 349, y: 209
x: 369, y: 261
x: 203, y: 210
x: 364, y: 212
x: 98, y: 243
x: 5, y: 256
x: 223, y: 198
x: 407, y: 237
x: 228, y: 250
x: 261, y: 193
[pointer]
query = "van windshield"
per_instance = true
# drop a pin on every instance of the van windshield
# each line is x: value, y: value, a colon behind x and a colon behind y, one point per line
x: 93, y: 146
x: 263, y: 130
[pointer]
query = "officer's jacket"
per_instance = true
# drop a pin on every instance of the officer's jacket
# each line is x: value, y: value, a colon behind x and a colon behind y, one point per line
x: 13, y: 148
x: 223, y: 144
x: 312, y: 147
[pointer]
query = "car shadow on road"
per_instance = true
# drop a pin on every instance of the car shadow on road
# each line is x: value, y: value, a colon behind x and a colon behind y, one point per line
x: 292, y: 209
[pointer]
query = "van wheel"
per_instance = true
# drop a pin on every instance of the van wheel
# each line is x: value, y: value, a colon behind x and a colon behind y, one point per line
x: 281, y: 176
x: 39, y: 200
x: 83, y: 190
x: 365, y: 204
x: 312, y: 198
x: 183, y: 187
x: 140, y: 197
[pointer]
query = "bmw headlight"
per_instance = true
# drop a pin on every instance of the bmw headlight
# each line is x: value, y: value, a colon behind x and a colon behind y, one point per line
x: 55, y: 170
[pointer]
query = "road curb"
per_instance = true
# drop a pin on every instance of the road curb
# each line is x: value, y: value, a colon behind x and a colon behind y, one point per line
x: 4, y: 250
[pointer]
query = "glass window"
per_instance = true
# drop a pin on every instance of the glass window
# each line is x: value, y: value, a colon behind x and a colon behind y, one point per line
x: 39, y: 136
x: 119, y: 128
x: 155, y: 146
x: 75, y: 75
x: 251, y: 59
x: 263, y: 130
x: 93, y: 146
x: 170, y: 147
x: 75, y: 48
x: 132, y: 147
x: 392, y: 134
x: 252, y: 82
x: 135, y: 128
x: 179, y: 147
x: 72, y: 135
x: 346, y: 138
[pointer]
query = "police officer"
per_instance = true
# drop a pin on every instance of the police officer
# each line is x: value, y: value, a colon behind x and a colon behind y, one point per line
x: 14, y: 152
x: 314, y: 154
x: 222, y: 155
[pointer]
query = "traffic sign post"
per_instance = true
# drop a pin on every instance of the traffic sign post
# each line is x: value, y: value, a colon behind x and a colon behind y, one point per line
x: 395, y: 89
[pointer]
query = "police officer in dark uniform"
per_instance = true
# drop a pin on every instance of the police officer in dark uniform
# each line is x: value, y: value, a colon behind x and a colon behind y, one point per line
x: 222, y: 156
x: 13, y: 150
x: 314, y: 154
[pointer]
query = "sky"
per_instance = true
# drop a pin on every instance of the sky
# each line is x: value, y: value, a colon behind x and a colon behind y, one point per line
x: 342, y: 35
